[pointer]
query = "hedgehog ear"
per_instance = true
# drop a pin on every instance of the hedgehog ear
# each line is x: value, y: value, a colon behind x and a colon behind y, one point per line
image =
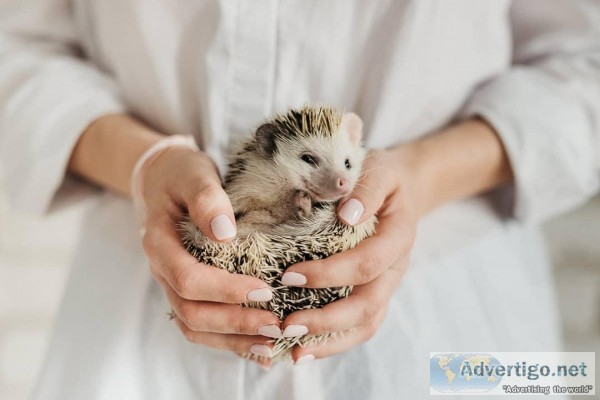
x: 352, y: 125
x: 265, y: 139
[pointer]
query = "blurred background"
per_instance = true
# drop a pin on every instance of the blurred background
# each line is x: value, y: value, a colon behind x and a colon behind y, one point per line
x: 35, y: 254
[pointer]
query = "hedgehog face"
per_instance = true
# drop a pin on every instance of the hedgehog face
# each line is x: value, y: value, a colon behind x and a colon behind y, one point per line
x: 326, y: 166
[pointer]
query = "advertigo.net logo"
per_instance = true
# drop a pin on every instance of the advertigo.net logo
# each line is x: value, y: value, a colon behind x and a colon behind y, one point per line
x: 494, y: 373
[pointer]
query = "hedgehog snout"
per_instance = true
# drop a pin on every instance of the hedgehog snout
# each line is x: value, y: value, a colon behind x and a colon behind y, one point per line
x: 336, y: 187
x: 343, y: 185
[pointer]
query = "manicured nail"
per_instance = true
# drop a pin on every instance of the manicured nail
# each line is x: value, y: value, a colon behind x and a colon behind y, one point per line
x: 265, y: 368
x: 351, y: 211
x: 295, y: 330
x: 222, y: 227
x: 293, y: 279
x: 261, y: 350
x: 304, y: 359
x: 271, y: 331
x: 259, y: 295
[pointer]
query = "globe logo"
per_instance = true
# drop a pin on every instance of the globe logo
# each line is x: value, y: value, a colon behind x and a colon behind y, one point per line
x: 463, y: 372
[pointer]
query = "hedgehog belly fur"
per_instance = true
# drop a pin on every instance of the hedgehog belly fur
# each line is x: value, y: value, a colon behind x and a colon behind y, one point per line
x: 267, y: 255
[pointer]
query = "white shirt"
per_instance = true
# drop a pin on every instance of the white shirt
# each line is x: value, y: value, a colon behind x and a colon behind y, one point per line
x: 216, y: 69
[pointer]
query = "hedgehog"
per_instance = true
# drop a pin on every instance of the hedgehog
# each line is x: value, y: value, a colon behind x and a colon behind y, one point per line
x: 284, y: 184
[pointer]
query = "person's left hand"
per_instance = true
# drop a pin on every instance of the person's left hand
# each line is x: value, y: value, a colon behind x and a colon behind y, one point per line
x: 375, y: 267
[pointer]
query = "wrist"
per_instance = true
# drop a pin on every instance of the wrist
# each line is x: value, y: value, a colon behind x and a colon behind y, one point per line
x: 108, y: 149
x: 416, y: 173
x: 459, y: 161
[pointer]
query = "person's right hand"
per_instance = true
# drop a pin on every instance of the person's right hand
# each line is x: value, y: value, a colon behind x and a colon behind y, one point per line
x: 206, y: 300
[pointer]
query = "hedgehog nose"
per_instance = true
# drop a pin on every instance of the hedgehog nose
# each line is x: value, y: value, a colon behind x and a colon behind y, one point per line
x: 343, y: 185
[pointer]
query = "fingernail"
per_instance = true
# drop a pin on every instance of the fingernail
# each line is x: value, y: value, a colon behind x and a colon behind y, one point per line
x: 259, y: 295
x: 265, y: 368
x: 351, y: 211
x: 271, y: 331
x: 295, y: 330
x: 261, y: 350
x: 304, y: 359
x: 293, y: 279
x: 222, y: 227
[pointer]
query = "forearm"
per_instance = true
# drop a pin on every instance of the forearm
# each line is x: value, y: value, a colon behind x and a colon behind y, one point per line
x: 460, y: 161
x: 108, y: 150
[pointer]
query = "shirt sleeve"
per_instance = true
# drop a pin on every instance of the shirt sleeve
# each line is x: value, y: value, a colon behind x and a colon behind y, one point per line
x: 48, y: 95
x: 546, y: 107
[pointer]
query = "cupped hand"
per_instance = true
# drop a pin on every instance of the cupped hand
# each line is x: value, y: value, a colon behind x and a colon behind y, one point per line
x: 375, y: 266
x: 206, y: 301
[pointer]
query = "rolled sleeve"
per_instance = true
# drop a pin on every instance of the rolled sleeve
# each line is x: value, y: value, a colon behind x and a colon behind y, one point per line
x: 48, y: 96
x: 546, y: 108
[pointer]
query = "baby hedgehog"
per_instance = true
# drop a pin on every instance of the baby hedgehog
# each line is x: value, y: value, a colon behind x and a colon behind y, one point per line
x: 283, y: 185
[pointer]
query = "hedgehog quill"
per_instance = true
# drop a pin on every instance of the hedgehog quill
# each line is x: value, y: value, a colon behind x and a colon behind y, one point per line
x: 284, y: 183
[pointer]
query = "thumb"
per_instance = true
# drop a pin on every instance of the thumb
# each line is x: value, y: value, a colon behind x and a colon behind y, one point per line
x: 366, y: 199
x: 211, y: 211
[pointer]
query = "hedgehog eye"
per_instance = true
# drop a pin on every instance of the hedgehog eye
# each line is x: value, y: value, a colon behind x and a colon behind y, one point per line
x: 307, y: 158
x: 347, y: 163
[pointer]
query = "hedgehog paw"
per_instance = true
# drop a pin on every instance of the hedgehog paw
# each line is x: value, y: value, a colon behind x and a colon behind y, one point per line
x: 304, y: 203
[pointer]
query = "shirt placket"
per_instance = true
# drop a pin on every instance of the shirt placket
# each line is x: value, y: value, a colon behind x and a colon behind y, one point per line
x: 250, y: 98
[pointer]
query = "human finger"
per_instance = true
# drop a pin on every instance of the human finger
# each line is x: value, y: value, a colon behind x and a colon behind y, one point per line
x: 360, y: 308
x: 191, y: 279
x: 369, y: 259
x: 371, y: 191
x: 223, y: 318
x: 339, y: 343
x: 210, y: 209
x: 257, y: 345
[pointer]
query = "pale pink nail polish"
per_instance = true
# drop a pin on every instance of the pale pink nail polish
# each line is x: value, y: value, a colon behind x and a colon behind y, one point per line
x: 222, y: 227
x: 261, y: 350
x: 259, y: 295
x: 305, y: 359
x: 293, y: 279
x: 271, y: 331
x: 351, y: 211
x: 265, y: 368
x: 295, y: 330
